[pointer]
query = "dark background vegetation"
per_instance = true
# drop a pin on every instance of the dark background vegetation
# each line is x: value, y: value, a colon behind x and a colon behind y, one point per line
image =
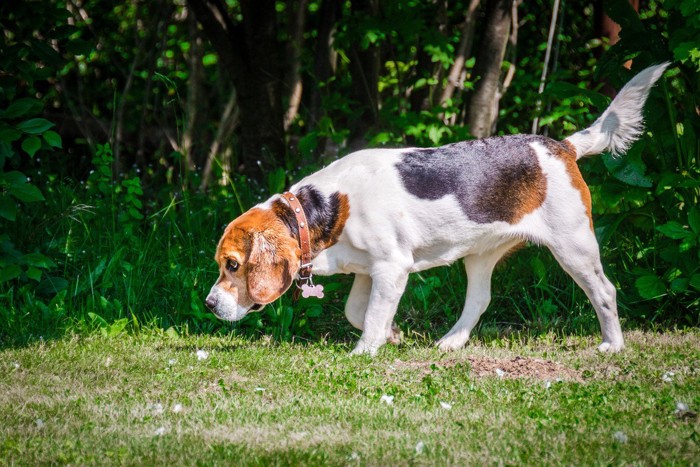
x: 132, y: 132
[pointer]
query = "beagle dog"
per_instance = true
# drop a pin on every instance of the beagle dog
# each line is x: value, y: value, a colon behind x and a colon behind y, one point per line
x: 381, y: 214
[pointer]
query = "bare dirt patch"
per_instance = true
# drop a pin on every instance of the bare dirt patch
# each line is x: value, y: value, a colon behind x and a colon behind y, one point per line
x: 522, y: 367
x: 513, y: 368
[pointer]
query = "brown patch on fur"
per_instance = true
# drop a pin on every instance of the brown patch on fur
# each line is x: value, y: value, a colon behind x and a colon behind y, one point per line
x: 339, y: 224
x: 566, y: 152
x: 528, y: 191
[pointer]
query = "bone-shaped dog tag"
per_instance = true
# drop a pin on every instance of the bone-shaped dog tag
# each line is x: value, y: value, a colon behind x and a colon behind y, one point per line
x: 312, y: 290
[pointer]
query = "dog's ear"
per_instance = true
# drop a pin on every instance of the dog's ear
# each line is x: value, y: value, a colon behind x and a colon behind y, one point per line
x: 272, y: 263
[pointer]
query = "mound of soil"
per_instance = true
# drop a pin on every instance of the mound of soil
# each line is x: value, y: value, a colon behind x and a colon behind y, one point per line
x: 517, y: 367
x: 522, y: 367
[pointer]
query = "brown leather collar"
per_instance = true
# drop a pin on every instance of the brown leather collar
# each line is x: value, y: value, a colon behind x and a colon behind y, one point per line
x: 304, y: 238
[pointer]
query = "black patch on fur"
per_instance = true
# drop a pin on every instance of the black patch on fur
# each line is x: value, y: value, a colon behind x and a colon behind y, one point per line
x: 321, y: 213
x: 489, y: 177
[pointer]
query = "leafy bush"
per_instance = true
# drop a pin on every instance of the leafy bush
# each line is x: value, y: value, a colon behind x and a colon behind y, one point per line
x: 28, y: 61
x: 113, y: 237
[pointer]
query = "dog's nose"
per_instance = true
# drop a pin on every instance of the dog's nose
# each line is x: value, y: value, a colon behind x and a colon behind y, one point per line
x: 210, y: 301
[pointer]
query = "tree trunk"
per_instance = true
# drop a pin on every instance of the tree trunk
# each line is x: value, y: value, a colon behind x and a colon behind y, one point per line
x: 324, y: 61
x: 227, y: 124
x: 464, y: 51
x: 423, y: 98
x: 293, y: 83
x: 606, y: 27
x: 364, y: 69
x: 249, y: 52
x: 195, y: 109
x: 483, y: 105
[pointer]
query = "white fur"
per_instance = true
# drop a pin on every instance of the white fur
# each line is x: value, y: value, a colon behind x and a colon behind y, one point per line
x: 621, y: 124
x: 227, y: 306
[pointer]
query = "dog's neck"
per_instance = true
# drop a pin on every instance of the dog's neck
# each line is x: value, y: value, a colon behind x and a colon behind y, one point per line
x: 325, y: 216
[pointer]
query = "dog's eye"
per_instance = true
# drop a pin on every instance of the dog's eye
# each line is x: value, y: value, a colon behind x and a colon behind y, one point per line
x: 232, y: 265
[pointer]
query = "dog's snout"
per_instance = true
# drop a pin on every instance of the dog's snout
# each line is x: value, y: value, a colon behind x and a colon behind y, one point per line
x: 211, y: 301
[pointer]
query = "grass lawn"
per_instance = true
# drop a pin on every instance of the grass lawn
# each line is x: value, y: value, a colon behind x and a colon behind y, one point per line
x: 149, y: 399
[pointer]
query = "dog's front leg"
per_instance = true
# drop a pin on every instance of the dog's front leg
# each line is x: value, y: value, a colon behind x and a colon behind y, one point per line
x: 358, y: 300
x: 356, y: 307
x: 387, y: 288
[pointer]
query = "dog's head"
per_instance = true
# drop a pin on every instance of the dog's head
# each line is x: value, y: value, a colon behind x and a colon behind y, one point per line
x: 258, y: 259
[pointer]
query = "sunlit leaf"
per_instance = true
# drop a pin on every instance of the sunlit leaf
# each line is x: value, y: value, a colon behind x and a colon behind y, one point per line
x: 53, y: 138
x: 674, y: 230
x: 35, y: 126
x: 24, y: 107
x: 10, y: 272
x: 650, y: 286
x: 31, y: 145
x: 8, y: 208
x: 27, y: 193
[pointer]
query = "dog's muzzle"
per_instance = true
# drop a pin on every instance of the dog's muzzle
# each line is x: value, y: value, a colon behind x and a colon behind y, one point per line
x: 226, y: 307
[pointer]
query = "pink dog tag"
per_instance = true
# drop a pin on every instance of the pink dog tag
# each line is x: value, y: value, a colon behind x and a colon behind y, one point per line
x: 312, y: 291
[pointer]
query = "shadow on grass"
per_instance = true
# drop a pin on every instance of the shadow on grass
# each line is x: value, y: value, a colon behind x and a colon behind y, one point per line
x: 419, y: 327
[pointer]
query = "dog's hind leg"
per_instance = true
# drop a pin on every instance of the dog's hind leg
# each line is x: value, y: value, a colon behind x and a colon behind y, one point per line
x: 579, y: 255
x: 479, y: 269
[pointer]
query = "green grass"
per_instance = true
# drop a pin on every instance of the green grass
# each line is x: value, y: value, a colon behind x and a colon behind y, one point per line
x: 124, y: 299
x: 95, y: 400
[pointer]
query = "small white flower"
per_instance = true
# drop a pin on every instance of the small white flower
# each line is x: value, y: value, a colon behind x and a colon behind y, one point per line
x: 445, y: 405
x: 177, y: 408
x: 388, y: 400
x: 620, y: 437
x: 156, y: 408
x: 354, y: 456
x: 202, y: 355
x: 259, y: 389
x: 668, y: 376
x: 173, y: 361
x: 420, y: 447
x: 500, y: 373
x: 108, y: 361
x: 160, y: 431
x: 16, y: 364
x: 547, y: 384
x: 39, y: 423
x: 681, y: 407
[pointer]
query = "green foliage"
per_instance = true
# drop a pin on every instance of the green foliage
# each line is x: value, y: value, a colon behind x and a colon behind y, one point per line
x: 110, y: 236
x: 124, y: 198
x: 651, y: 202
x: 28, y: 61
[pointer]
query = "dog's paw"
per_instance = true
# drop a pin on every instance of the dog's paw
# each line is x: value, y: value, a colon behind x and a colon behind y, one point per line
x: 364, y: 348
x: 611, y: 347
x: 394, y: 335
x: 453, y: 341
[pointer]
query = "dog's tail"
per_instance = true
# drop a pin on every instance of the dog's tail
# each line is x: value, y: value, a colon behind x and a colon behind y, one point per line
x: 621, y: 124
